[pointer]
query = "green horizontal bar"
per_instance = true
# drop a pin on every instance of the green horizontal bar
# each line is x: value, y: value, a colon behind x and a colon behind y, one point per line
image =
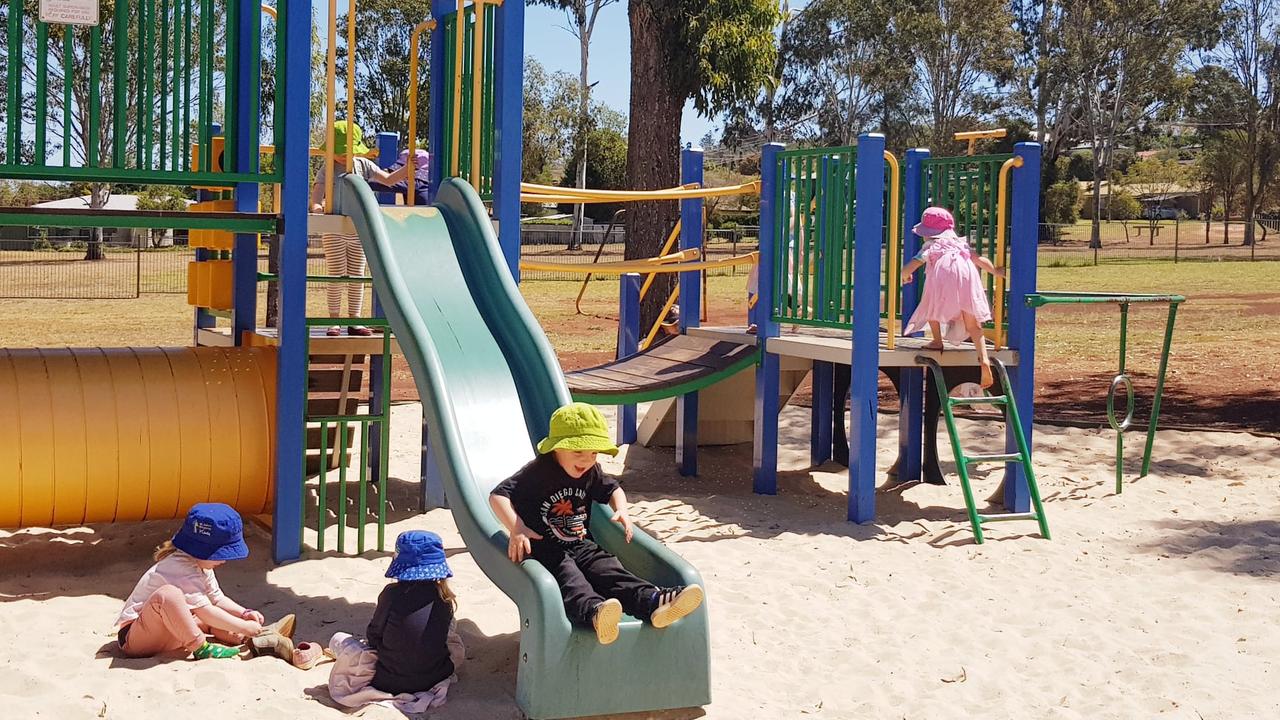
x: 833, y: 325
x: 984, y: 400
x: 175, y: 222
x: 964, y: 160
x: 272, y: 277
x: 819, y: 152
x: 998, y: 458
x: 1005, y: 517
x: 361, y: 419
x: 325, y: 322
x: 641, y: 396
x: 135, y: 175
x: 1080, y: 298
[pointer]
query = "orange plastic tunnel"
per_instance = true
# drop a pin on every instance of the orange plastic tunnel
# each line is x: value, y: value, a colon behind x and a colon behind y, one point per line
x: 114, y: 434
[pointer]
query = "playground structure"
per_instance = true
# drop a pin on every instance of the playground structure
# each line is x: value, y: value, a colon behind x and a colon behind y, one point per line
x: 279, y: 400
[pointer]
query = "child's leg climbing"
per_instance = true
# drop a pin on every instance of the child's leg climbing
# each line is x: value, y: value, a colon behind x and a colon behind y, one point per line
x: 972, y: 325
x: 164, y: 624
x: 935, y: 331
x: 355, y: 268
x: 335, y: 259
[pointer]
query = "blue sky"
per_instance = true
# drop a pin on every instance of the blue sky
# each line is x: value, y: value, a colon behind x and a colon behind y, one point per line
x: 546, y: 40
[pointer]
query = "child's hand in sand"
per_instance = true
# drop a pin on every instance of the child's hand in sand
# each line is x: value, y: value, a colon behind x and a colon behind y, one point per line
x: 520, y: 546
x: 253, y: 615
x: 624, y: 520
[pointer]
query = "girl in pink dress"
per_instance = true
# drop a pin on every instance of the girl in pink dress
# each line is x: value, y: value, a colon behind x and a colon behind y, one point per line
x: 953, y: 292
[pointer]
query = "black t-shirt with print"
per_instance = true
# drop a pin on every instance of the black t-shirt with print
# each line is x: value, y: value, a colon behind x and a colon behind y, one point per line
x: 551, y: 503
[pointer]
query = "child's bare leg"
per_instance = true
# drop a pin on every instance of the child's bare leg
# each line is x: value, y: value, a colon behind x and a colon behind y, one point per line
x: 980, y: 344
x: 935, y: 329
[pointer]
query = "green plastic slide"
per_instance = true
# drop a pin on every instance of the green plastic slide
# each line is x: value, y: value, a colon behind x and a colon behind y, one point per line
x: 489, y: 381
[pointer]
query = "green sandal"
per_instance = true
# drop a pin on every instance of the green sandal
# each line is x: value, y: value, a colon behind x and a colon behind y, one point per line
x: 214, y: 650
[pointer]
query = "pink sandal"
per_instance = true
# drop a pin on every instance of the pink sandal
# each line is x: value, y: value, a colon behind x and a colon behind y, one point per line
x: 306, y: 655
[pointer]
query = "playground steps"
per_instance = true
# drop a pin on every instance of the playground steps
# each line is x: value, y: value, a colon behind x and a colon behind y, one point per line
x: 335, y: 386
x: 726, y: 411
x: 1006, y: 403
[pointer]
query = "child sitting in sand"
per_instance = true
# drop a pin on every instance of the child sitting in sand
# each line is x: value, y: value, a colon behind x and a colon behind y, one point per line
x: 178, y: 601
x: 952, y: 288
x: 411, y: 624
x: 546, y: 508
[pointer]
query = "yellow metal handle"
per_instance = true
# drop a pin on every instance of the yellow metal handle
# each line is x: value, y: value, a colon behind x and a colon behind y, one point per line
x: 895, y: 270
x: 1002, y: 204
x: 418, y: 29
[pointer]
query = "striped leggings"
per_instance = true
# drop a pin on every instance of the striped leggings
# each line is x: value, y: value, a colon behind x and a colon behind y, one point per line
x: 343, y: 255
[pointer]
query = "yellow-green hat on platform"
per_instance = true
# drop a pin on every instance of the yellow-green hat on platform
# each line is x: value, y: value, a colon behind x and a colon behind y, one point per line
x: 578, y: 426
x: 341, y: 129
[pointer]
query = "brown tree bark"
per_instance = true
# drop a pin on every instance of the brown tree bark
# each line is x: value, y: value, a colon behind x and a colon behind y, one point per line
x: 653, y: 144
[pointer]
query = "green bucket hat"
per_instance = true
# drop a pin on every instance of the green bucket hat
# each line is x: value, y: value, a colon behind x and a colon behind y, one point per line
x: 341, y: 129
x: 578, y: 426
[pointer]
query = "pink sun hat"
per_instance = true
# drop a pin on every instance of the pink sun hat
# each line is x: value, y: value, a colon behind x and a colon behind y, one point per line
x: 934, y: 221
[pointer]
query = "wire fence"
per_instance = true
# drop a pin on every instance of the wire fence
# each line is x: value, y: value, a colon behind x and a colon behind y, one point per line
x: 553, y: 244
x: 51, y: 263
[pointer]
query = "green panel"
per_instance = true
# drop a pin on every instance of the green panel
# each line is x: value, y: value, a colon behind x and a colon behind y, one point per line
x: 814, y: 231
x: 178, y: 220
x: 164, y: 81
x: 489, y: 380
x: 486, y: 101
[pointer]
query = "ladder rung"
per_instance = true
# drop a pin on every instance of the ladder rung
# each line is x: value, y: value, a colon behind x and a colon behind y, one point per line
x: 998, y: 458
x: 1008, y: 516
x: 984, y: 400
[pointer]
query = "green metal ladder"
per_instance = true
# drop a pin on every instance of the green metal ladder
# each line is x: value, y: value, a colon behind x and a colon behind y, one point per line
x: 963, y: 461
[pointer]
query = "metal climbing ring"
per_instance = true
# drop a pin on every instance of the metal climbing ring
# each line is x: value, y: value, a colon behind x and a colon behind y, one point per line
x: 1117, y: 381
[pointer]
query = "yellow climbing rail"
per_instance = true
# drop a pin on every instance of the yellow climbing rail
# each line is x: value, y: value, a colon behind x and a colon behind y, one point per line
x: 642, y: 266
x: 1002, y: 229
x: 530, y: 192
x: 894, y: 289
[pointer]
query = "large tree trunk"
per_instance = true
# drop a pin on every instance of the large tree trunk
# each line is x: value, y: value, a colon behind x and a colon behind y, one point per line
x: 653, y: 144
x: 584, y: 109
x: 1095, y: 227
x: 98, y: 196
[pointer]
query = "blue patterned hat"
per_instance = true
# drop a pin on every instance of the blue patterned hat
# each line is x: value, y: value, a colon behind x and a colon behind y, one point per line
x: 419, y: 556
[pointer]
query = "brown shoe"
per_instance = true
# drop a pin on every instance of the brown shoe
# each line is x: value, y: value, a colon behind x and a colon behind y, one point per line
x: 272, y: 643
x: 283, y: 626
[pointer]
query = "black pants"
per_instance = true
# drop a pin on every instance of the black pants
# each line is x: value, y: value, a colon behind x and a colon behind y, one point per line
x: 588, y: 575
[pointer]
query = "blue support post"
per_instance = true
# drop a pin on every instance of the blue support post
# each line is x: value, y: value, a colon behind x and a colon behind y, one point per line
x: 508, y: 123
x: 628, y: 344
x: 868, y: 230
x: 388, y: 149
x: 291, y: 374
x: 690, y: 309
x: 244, y: 256
x: 822, y: 409
x: 432, y: 483
x: 388, y: 153
x: 203, y: 319
x: 435, y: 123
x: 1024, y: 238
x: 764, y: 454
x: 911, y: 379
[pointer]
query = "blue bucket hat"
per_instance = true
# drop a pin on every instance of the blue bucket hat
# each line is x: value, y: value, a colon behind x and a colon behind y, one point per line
x: 419, y: 556
x: 212, y: 531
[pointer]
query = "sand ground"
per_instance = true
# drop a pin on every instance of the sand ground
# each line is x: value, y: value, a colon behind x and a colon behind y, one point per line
x: 1160, y: 602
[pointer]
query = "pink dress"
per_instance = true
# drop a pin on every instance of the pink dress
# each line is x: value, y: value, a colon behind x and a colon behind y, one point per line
x: 952, y: 285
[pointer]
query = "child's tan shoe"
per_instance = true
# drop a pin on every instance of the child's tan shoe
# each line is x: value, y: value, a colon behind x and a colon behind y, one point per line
x: 675, y: 603
x: 284, y: 626
x: 608, y: 615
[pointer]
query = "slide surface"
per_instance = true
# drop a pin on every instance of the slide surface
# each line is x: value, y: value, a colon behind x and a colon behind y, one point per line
x: 489, y: 382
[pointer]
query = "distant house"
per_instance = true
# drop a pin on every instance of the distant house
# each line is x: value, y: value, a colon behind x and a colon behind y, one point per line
x: 1177, y: 198
x: 130, y: 237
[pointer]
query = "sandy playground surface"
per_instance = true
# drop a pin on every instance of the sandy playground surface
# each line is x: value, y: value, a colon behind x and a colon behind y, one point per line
x: 1161, y: 602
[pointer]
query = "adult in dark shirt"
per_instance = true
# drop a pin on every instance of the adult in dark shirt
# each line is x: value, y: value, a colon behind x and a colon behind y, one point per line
x: 546, y: 508
x: 410, y: 627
